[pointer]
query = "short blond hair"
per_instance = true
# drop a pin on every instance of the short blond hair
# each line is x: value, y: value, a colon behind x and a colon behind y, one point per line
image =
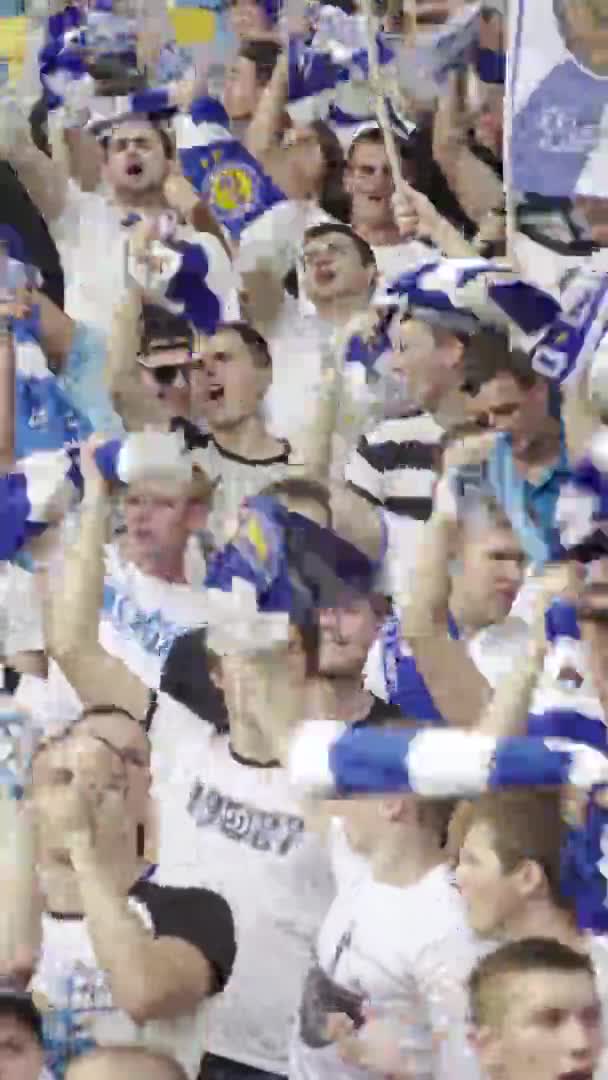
x: 200, y: 488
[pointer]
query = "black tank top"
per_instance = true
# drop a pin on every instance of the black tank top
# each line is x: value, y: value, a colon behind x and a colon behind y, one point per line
x: 18, y: 211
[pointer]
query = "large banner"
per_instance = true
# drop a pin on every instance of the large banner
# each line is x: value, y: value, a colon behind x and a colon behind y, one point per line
x: 557, y: 120
x: 560, y: 97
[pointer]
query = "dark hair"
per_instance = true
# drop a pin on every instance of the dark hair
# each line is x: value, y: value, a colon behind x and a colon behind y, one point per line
x: 374, y: 136
x: 263, y: 55
x: 160, y: 328
x: 326, y: 228
x: 14, y: 1002
x: 256, y: 344
x: 39, y: 119
x: 525, y: 825
x: 297, y: 487
x: 519, y: 958
x: 487, y: 355
x: 333, y: 199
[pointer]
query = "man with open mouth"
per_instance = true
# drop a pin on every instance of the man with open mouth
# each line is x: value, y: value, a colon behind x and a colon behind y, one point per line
x: 228, y: 384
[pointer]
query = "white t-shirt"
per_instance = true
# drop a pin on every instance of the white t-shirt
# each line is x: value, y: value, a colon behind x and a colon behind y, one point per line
x: 348, y: 866
x: 142, y: 616
x: 238, y: 829
x: 92, y: 242
x: 75, y: 995
x: 237, y: 477
x: 399, y: 950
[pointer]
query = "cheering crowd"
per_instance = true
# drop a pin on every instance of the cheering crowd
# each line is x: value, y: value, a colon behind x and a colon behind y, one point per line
x: 303, y: 591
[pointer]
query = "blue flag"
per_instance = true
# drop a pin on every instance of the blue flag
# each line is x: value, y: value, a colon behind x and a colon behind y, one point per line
x: 229, y: 178
x: 573, y: 337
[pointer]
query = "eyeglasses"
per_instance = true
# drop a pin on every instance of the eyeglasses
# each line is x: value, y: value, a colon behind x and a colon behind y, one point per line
x: 311, y: 254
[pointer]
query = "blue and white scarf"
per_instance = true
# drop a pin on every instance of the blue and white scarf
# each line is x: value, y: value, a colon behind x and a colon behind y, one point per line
x: 331, y: 762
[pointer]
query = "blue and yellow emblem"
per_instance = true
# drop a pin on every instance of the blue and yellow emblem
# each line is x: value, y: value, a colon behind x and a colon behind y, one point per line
x: 233, y: 189
x: 259, y: 541
x: 235, y: 186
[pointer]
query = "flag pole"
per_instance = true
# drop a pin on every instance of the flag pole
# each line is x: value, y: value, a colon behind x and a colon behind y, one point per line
x: 381, y: 107
x: 412, y: 19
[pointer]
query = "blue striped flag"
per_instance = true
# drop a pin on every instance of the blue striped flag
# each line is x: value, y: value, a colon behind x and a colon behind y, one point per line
x: 582, y: 507
x: 572, y: 339
x: 471, y: 293
x: 565, y: 705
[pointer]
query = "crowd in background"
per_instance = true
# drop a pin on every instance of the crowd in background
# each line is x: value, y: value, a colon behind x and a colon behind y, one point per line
x: 301, y: 434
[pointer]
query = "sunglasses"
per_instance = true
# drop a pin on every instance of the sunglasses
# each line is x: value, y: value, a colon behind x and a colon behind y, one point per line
x: 169, y: 375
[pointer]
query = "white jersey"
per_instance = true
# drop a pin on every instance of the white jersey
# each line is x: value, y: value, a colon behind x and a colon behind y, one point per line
x: 236, y: 477
x: 143, y: 615
x: 92, y: 240
x: 92, y: 244
x: 401, y: 952
x: 238, y: 829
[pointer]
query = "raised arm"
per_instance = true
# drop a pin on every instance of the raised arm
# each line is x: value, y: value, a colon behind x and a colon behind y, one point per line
x: 74, y: 604
x: 459, y: 690
x: 45, y: 180
x: 352, y: 516
x: 265, y: 126
x: 507, y: 712
x: 122, y: 375
x: 20, y: 912
x: 472, y: 182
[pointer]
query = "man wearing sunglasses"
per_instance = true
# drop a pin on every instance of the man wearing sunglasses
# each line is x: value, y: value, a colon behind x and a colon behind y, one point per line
x: 165, y: 359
